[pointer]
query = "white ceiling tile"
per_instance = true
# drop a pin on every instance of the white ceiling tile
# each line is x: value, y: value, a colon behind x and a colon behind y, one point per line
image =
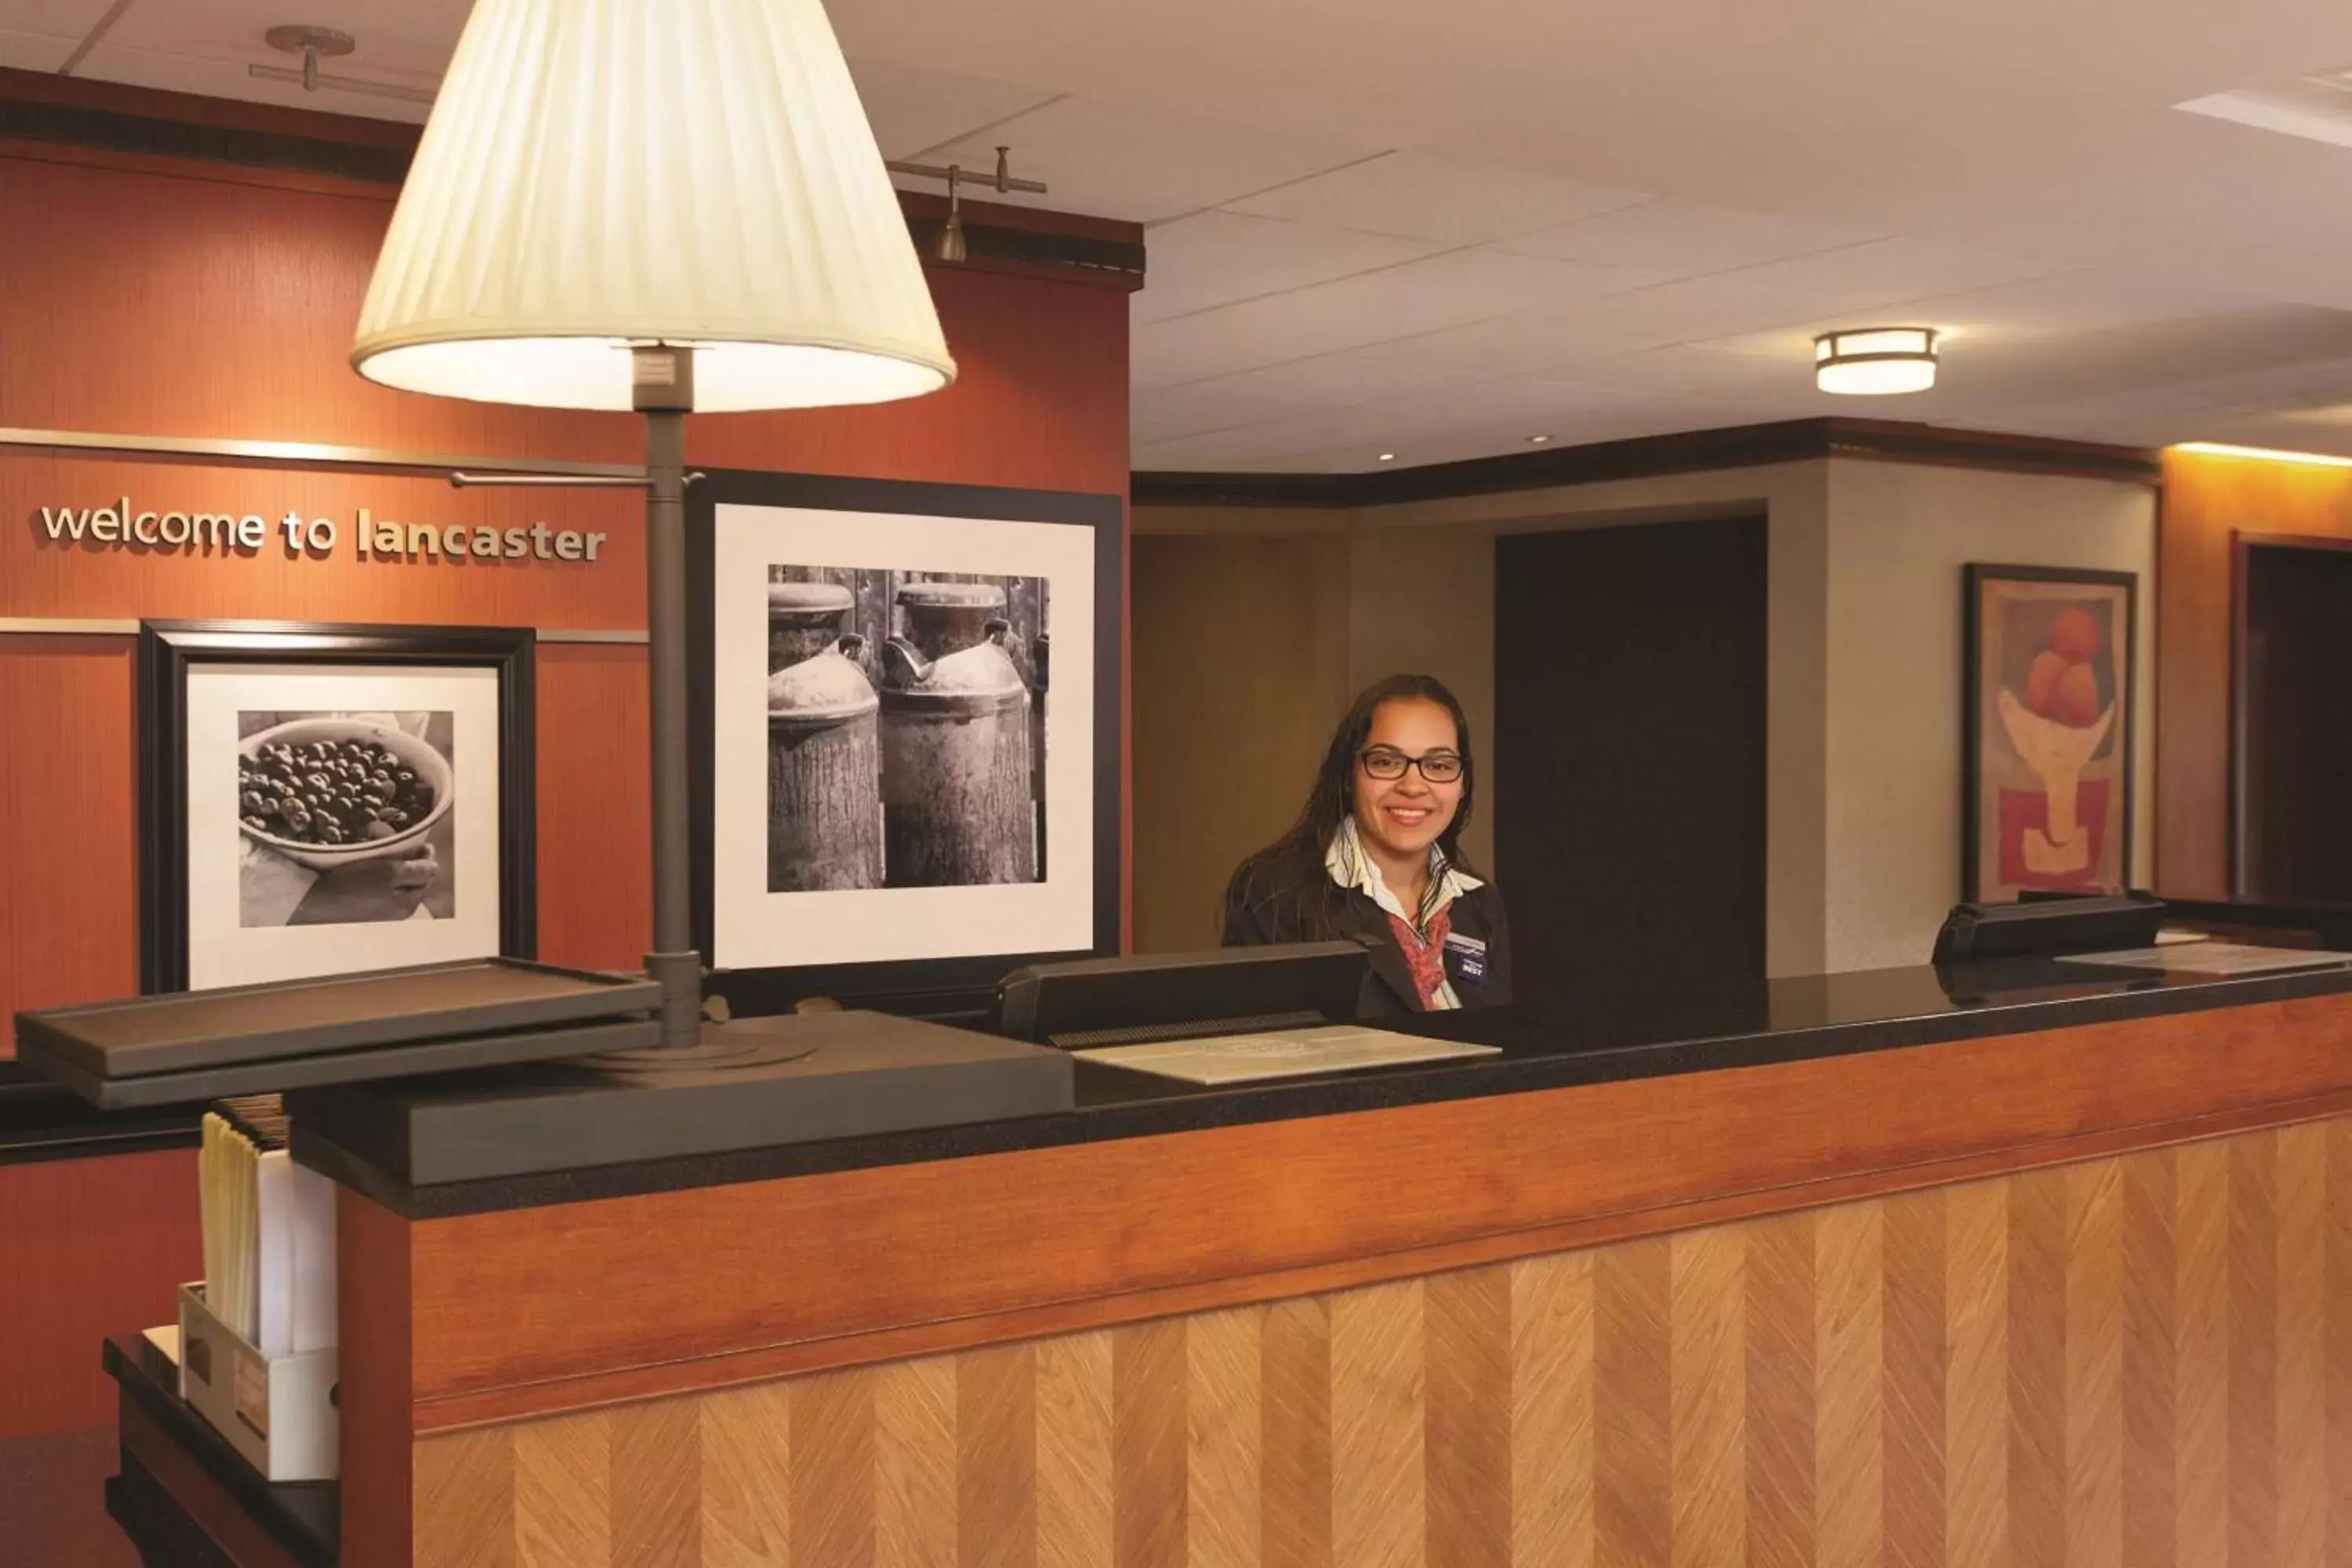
x: 1435, y: 198
x: 405, y: 40
x: 1683, y: 239
x: 228, y: 78
x: 1675, y: 369
x: 913, y: 110
x: 1218, y: 257
x: 31, y: 51
x: 1115, y: 160
x: 1459, y: 285
x: 1301, y: 386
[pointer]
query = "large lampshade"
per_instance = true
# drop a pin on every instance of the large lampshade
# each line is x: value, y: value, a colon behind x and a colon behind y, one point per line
x: 599, y: 173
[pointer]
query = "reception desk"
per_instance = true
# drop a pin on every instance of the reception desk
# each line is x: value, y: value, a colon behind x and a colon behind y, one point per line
x: 2023, y: 1265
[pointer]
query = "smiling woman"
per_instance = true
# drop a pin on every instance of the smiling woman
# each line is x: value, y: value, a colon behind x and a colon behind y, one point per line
x: 1375, y: 858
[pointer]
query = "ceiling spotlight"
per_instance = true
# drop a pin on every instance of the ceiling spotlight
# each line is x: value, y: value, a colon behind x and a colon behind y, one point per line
x: 1388, y: 456
x: 1539, y: 440
x: 1875, y: 359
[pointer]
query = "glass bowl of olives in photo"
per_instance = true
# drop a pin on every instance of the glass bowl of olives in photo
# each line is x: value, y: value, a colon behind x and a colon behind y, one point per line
x: 330, y: 793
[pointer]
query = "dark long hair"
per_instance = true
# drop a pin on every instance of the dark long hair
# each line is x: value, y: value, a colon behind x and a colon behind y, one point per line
x: 1292, y: 864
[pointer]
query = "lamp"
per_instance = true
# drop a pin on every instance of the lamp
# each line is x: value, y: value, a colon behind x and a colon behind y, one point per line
x: 1875, y: 359
x: 660, y: 206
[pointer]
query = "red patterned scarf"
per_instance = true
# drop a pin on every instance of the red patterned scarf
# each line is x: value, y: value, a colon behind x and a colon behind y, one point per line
x: 1426, y: 955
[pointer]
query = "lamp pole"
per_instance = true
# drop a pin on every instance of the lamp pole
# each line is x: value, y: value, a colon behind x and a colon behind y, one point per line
x: 662, y: 389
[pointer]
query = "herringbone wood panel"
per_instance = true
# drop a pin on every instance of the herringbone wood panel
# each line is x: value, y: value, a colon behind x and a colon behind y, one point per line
x: 2132, y: 1363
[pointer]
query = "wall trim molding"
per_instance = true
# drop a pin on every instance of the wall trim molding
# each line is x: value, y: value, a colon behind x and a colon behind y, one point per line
x: 212, y: 451
x: 1649, y: 456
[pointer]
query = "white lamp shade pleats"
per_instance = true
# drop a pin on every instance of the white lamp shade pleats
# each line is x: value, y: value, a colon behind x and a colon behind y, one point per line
x: 599, y: 173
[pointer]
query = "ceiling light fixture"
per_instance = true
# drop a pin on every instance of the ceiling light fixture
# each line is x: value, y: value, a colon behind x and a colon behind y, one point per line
x: 314, y: 44
x: 1388, y: 456
x: 2265, y: 454
x: 1539, y: 440
x: 1874, y: 360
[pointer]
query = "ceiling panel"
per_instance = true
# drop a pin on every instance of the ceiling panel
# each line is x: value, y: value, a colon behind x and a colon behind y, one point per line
x: 28, y: 52
x: 407, y: 41
x: 1684, y: 238
x: 1436, y: 199
x: 1218, y: 257
x: 1459, y: 285
x: 1117, y: 162
x: 1332, y: 381
x: 913, y: 110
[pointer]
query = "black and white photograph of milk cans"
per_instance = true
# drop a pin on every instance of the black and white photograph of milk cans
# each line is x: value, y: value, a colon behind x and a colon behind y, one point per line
x: 905, y: 728
x: 902, y: 737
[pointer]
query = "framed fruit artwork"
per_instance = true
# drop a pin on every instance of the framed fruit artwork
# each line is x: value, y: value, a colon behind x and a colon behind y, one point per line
x: 2049, y: 685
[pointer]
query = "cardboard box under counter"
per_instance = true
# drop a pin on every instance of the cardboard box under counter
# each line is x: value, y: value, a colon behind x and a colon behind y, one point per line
x: 279, y: 1414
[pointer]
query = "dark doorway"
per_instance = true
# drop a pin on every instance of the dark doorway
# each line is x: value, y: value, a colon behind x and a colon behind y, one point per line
x: 2294, y: 775
x: 1629, y: 757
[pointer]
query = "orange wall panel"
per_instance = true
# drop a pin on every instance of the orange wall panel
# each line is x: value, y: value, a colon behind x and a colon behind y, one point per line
x: 69, y: 842
x: 2209, y: 499
x: 88, y: 1248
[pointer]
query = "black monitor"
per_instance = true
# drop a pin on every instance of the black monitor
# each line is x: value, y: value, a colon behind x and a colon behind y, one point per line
x: 1127, y: 1001
x: 2049, y: 927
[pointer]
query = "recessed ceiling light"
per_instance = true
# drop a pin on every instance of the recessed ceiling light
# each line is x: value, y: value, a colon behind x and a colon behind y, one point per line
x: 2223, y: 450
x: 1388, y: 456
x: 1871, y: 361
x: 1538, y: 440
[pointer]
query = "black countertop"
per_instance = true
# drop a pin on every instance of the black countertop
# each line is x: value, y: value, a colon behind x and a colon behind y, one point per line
x: 1778, y: 1021
x: 38, y: 1121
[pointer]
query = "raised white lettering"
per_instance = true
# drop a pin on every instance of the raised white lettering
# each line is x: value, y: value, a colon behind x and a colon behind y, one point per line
x: 65, y: 521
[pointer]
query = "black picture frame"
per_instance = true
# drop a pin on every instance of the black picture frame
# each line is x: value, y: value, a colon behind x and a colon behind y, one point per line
x: 169, y: 649
x: 1974, y: 577
x: 928, y: 987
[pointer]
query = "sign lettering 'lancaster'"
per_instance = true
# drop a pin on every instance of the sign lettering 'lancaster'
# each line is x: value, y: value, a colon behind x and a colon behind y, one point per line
x: 121, y: 527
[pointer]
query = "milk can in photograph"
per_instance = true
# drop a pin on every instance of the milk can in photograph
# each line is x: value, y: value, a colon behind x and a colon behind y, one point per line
x: 940, y: 618
x: 804, y: 620
x: 956, y: 805
x: 825, y: 793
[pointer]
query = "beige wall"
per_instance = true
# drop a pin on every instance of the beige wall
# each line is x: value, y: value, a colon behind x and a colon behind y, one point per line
x: 1899, y: 536
x: 1863, y: 770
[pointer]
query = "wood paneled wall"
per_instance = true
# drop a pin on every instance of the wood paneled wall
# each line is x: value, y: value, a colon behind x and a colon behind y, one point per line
x: 2210, y: 498
x: 154, y: 296
x: 87, y: 1247
x: 2125, y: 1363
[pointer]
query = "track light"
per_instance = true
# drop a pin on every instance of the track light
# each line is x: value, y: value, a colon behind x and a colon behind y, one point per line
x: 950, y: 245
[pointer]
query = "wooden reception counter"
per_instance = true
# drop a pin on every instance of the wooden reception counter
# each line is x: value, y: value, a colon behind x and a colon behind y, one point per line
x: 2028, y: 1265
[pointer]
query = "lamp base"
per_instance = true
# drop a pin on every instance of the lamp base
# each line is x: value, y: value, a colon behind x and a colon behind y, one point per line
x: 832, y: 1076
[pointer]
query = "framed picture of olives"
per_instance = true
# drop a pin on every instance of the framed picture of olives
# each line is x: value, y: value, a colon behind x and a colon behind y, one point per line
x: 317, y: 799
x: 906, y: 742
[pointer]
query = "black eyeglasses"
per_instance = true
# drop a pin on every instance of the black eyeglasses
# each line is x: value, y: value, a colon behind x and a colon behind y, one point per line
x: 1387, y: 765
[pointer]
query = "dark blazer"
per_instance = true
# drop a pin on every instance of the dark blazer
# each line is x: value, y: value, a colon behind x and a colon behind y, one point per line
x: 1291, y: 896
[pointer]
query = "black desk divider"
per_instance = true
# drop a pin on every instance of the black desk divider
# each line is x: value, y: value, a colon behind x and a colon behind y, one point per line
x: 197, y: 1045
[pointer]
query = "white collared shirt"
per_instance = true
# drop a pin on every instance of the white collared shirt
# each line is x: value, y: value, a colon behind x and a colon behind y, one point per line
x: 1351, y: 867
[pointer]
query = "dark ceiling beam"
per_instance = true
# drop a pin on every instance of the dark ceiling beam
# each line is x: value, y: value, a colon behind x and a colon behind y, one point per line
x: 1650, y: 457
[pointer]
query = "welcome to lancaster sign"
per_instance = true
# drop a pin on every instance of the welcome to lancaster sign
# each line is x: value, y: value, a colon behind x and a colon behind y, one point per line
x: 118, y: 525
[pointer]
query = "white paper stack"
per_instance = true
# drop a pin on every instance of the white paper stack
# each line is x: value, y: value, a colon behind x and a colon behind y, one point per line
x: 268, y: 1232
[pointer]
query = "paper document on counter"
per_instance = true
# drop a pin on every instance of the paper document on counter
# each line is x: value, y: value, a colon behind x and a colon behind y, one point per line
x: 2213, y: 958
x: 1279, y: 1053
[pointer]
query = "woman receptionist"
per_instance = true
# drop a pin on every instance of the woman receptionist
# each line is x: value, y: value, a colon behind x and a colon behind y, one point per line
x: 1375, y: 858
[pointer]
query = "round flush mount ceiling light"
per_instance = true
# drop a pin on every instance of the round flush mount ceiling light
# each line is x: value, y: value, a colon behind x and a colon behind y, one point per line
x: 1875, y: 359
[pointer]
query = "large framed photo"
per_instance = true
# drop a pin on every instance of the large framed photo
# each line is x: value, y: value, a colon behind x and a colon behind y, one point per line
x: 319, y: 799
x: 905, y: 734
x: 2049, y: 689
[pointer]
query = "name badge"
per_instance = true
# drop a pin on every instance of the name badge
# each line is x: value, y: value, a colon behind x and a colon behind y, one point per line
x: 1466, y: 956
